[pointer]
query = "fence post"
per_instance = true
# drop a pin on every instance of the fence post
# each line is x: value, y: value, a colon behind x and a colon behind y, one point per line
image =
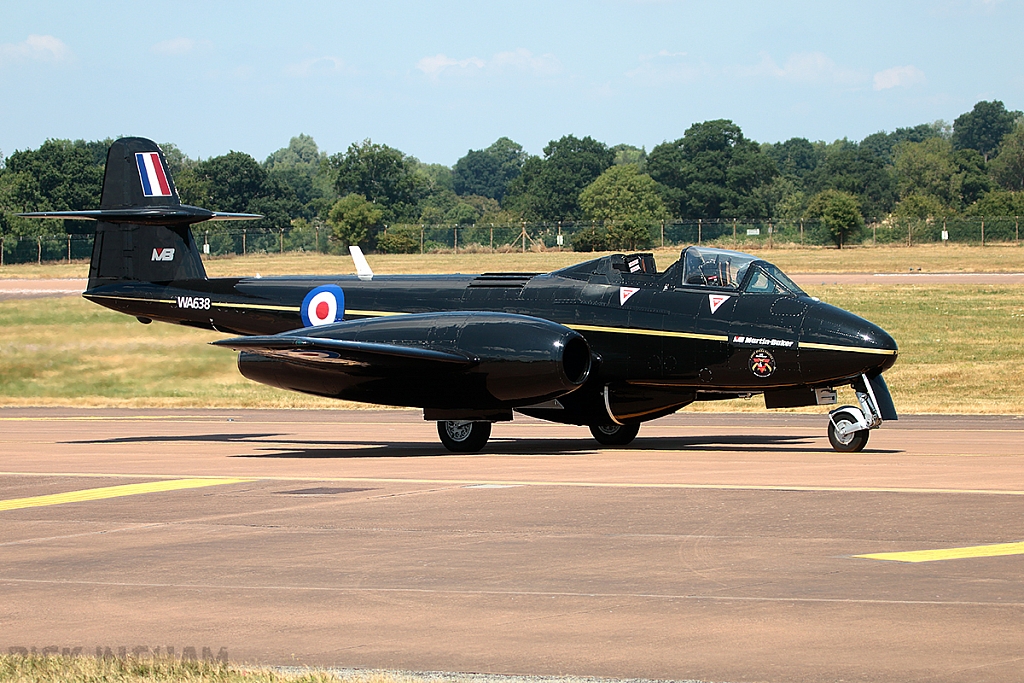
x: 874, y: 233
x: 244, y: 246
x: 282, y: 240
x: 1016, y: 233
x: 455, y: 232
x: 524, y: 237
x: 69, y: 248
x: 734, y: 228
x: 802, y: 232
x: 662, y: 233
x: 699, y: 230
x: 421, y: 239
x: 982, y: 231
x: 492, y: 238
x: 771, y: 231
x: 558, y: 240
x: 1, y: 250
x: 944, y: 233
x: 39, y: 250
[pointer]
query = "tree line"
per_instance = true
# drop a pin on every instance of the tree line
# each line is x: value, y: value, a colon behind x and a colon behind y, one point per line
x: 366, y: 194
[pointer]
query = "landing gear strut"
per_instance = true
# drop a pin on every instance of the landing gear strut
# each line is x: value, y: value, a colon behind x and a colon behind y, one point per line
x: 614, y: 435
x: 463, y: 436
x: 849, y: 426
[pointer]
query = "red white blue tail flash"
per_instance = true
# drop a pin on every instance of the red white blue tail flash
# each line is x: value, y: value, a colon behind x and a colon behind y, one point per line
x: 152, y: 175
x: 323, y: 305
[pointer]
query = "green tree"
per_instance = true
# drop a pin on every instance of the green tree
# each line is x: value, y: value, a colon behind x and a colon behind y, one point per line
x: 1008, y: 167
x: 479, y: 173
x: 300, y: 168
x: 927, y: 168
x: 883, y: 145
x: 858, y: 171
x: 548, y: 188
x: 998, y: 202
x: 237, y: 183
x: 984, y: 127
x: 629, y: 201
x: 838, y: 215
x: 383, y: 175
x: 630, y: 154
x: 921, y: 206
x: 354, y: 219
x: 487, y: 172
x: 59, y: 176
x: 461, y: 214
x: 401, y: 239
x: 712, y: 172
x: 795, y: 158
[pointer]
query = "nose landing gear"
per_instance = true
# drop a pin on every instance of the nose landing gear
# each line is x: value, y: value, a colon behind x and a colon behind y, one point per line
x: 849, y: 426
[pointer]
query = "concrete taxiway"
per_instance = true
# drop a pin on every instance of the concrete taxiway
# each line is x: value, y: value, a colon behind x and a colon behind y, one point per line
x: 717, y: 547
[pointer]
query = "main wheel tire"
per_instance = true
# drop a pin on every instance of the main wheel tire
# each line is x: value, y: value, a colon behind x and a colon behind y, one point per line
x: 462, y: 436
x: 614, y: 435
x: 852, y: 442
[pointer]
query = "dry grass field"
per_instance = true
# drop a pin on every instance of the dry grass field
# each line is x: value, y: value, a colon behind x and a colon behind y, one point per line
x: 82, y: 669
x: 888, y: 259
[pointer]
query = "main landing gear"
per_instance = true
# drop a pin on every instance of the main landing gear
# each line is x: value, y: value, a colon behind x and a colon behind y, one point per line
x: 463, y: 436
x: 614, y: 435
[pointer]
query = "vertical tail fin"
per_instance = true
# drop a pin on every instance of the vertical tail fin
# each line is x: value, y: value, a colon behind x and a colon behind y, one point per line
x: 137, y: 179
x: 144, y: 231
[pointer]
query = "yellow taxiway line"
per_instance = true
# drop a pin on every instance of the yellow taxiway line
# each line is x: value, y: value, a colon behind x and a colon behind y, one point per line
x: 112, y: 492
x: 995, y: 550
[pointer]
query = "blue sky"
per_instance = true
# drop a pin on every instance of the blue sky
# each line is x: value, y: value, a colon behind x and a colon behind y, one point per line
x: 435, y: 79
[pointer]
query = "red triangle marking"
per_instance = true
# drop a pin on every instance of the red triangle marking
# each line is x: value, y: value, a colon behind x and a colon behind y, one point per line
x: 625, y: 293
x: 716, y: 301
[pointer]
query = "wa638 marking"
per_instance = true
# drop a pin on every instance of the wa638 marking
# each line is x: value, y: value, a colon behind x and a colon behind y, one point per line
x: 199, y: 303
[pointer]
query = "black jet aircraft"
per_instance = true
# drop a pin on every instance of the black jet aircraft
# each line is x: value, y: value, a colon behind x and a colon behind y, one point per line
x: 609, y: 343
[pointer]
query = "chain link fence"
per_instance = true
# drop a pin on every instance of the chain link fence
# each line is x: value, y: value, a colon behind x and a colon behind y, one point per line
x: 222, y: 240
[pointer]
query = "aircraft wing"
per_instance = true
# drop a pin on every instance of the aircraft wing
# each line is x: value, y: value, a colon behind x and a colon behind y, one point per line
x: 320, y: 351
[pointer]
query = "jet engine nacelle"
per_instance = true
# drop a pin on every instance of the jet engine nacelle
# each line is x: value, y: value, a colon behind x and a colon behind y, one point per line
x: 464, y: 362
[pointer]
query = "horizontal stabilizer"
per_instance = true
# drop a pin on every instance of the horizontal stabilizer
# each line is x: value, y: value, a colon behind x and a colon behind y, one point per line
x: 320, y: 350
x: 150, y: 215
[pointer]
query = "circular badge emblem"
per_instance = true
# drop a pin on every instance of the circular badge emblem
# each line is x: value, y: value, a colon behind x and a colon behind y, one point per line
x: 323, y: 305
x: 762, y: 363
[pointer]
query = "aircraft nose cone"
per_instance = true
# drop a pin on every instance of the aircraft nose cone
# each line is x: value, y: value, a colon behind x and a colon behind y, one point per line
x: 853, y: 341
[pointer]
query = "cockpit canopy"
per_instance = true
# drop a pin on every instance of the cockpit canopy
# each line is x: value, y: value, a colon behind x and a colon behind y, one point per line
x: 724, y: 269
x: 704, y: 267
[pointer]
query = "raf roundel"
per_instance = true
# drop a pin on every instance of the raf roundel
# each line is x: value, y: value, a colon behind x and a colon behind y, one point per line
x: 323, y: 305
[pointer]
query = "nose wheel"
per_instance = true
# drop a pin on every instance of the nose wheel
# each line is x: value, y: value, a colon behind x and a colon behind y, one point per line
x: 463, y: 436
x: 843, y: 433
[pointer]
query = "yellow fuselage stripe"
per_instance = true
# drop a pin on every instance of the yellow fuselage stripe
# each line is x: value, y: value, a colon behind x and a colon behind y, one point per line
x: 578, y: 327
x: 996, y: 550
x: 851, y: 349
x: 112, y: 492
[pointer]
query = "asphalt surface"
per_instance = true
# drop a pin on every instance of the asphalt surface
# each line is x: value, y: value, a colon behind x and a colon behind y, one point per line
x: 717, y: 548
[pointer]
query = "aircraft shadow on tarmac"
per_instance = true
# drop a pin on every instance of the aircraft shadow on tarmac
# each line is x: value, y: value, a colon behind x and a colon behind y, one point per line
x: 277, y: 446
